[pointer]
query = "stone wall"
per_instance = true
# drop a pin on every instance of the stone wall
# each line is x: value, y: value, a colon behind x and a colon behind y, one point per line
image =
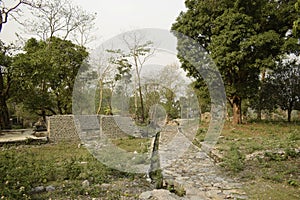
x: 63, y: 127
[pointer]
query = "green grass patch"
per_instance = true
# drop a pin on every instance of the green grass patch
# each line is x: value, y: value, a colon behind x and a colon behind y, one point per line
x: 131, y: 144
x: 64, y: 166
x: 274, y: 171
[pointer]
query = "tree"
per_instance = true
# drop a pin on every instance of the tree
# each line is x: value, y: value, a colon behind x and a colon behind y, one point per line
x: 242, y: 37
x: 171, y: 84
x: 5, y: 84
x: 5, y: 12
x: 48, y: 70
x: 296, y: 25
x: 137, y: 52
x: 105, y: 69
x: 60, y: 18
x: 282, y: 87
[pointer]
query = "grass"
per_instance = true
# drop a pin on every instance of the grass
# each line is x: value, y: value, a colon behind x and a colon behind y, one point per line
x: 269, y: 174
x: 131, y: 144
x: 64, y: 166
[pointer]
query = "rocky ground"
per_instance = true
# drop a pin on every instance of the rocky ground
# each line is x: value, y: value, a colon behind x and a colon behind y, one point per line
x: 190, y: 170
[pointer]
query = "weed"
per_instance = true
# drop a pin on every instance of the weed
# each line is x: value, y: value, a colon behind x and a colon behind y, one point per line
x: 293, y: 183
x: 234, y: 160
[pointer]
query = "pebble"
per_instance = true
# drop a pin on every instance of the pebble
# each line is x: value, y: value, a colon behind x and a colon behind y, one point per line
x: 38, y: 189
x: 50, y: 188
x: 85, y: 184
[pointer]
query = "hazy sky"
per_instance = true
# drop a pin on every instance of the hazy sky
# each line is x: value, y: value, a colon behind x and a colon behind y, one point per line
x: 117, y: 16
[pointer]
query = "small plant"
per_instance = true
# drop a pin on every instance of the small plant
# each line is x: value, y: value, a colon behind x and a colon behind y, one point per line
x: 294, y: 135
x: 157, y: 178
x: 274, y: 156
x: 289, y: 152
x: 234, y: 160
x: 293, y: 183
x: 276, y: 177
x: 73, y: 169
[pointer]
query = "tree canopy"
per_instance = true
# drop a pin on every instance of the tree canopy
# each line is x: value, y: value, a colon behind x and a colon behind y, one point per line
x: 282, y: 88
x: 242, y: 38
x: 46, y: 72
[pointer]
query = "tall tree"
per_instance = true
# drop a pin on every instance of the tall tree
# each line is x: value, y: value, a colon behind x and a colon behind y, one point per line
x: 242, y: 37
x: 61, y: 18
x: 284, y: 85
x: 48, y: 70
x: 136, y: 53
x: 105, y: 71
x: 5, y: 85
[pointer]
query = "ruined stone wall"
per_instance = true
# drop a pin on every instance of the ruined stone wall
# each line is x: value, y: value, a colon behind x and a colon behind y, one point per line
x: 62, y: 127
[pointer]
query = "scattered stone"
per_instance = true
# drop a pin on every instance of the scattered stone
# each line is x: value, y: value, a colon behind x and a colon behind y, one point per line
x: 85, y: 184
x: 146, y: 195
x: 194, y: 170
x: 159, y: 195
x: 50, y: 188
x: 38, y: 189
x: 105, y: 185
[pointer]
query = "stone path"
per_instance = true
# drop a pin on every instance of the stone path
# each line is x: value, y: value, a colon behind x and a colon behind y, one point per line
x: 20, y: 135
x: 187, y: 166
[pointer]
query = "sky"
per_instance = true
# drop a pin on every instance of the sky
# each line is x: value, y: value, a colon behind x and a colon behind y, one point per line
x: 117, y: 16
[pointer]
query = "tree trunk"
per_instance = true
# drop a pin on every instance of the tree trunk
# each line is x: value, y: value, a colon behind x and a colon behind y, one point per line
x: 237, y: 110
x: 258, y: 114
x: 142, y: 105
x: 44, y: 115
x: 100, y: 96
x: 289, y: 110
x: 289, y: 115
x: 4, y: 114
x: 138, y: 71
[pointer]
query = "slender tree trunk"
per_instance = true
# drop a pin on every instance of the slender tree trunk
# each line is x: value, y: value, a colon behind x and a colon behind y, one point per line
x: 109, y: 103
x: 44, y: 115
x: 100, y: 96
x: 237, y: 110
x: 258, y: 114
x: 140, y: 89
x: 135, y: 99
x: 289, y: 110
x: 259, y: 110
x: 142, y: 103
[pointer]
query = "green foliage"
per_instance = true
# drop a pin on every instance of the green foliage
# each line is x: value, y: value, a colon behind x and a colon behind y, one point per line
x: 296, y: 25
x: 176, y: 189
x: 242, y: 37
x: 136, y: 52
x: 64, y: 166
x: 282, y: 88
x: 132, y: 144
x: 234, y: 160
x: 293, y: 183
x: 6, y: 80
x: 46, y: 73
